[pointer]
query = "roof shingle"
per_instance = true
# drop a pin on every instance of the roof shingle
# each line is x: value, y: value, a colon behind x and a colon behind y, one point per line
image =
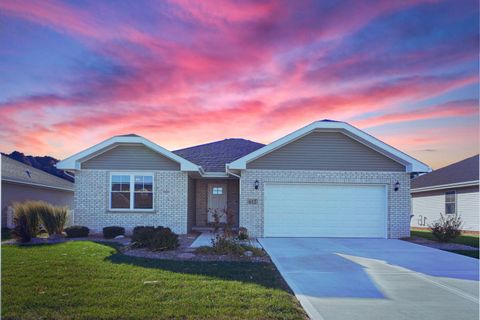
x: 462, y: 171
x: 214, y: 155
x: 16, y: 171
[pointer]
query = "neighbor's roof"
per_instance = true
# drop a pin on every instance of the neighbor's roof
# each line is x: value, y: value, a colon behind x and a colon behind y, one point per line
x: 456, y: 173
x: 18, y: 172
x: 214, y: 155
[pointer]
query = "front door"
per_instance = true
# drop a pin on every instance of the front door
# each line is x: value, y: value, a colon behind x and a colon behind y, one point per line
x: 217, y: 201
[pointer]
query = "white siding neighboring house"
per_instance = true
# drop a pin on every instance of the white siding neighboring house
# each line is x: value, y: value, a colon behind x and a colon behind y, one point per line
x: 21, y: 182
x: 452, y: 190
x: 328, y: 179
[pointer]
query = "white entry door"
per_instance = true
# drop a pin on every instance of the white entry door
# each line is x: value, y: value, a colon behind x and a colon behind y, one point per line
x: 325, y: 210
x: 217, y: 201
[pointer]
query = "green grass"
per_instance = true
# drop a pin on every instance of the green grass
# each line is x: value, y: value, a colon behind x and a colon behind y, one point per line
x: 468, y: 253
x: 87, y: 280
x: 466, y: 239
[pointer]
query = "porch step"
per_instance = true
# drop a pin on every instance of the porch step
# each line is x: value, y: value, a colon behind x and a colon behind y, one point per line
x: 202, y: 229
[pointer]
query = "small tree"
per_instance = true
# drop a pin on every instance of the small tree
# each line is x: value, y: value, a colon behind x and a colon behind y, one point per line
x: 448, y: 228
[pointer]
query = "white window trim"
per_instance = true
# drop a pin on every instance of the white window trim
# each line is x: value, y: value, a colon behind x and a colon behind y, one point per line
x: 454, y: 202
x: 132, y: 191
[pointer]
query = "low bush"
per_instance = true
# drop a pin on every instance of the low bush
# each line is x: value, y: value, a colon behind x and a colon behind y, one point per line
x: 112, y: 232
x: 141, y: 234
x: 26, y: 220
x: 77, y: 231
x: 447, y: 228
x: 155, y: 239
x: 242, y: 233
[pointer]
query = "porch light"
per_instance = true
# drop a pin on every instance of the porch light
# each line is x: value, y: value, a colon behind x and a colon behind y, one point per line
x: 397, y: 186
x: 256, y: 184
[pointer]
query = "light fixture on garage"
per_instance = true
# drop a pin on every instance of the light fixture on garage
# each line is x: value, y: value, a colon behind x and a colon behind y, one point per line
x: 397, y: 186
x: 256, y: 184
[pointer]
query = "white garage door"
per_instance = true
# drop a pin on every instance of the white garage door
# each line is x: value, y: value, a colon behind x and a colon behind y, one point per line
x: 323, y: 210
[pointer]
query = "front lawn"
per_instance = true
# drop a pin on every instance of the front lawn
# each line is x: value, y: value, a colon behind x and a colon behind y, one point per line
x: 87, y: 280
x: 466, y: 239
x: 468, y: 253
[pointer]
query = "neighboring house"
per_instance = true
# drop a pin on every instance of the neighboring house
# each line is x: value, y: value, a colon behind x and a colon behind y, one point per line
x: 21, y: 182
x: 328, y: 179
x: 452, y: 190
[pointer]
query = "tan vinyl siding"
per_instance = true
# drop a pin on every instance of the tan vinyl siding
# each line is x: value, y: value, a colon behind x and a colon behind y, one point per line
x: 130, y: 157
x: 326, y: 151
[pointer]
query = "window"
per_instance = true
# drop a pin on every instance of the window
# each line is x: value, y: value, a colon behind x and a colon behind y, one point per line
x: 217, y: 190
x: 450, y: 202
x: 131, y: 191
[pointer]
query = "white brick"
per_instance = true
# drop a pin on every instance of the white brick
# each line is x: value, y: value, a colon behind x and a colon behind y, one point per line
x: 251, y: 216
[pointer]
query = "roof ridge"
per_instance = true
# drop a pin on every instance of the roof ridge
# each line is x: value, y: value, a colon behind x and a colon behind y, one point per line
x: 213, y: 142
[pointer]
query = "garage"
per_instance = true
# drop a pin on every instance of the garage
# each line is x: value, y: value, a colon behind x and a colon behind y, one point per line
x: 325, y: 210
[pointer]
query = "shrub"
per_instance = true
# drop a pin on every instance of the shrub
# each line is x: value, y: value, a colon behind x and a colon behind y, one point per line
x: 163, y: 239
x: 77, y: 231
x: 53, y: 218
x: 446, y: 228
x: 242, y: 233
x: 141, y: 234
x: 155, y: 239
x: 112, y: 232
x: 25, y: 218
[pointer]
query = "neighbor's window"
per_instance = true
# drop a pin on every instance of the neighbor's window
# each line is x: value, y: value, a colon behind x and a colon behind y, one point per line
x: 217, y: 190
x: 450, y: 202
x: 131, y: 192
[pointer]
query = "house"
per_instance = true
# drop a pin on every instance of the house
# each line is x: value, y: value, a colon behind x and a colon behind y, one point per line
x: 328, y: 179
x: 451, y: 190
x: 21, y: 182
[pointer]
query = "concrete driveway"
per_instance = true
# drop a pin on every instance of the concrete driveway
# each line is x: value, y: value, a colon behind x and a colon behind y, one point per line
x: 376, y: 278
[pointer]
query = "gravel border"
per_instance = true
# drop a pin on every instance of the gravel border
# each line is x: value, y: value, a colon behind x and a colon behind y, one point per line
x: 440, y: 245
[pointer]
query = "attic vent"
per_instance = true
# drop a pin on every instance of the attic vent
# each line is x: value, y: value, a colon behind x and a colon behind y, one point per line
x: 28, y: 173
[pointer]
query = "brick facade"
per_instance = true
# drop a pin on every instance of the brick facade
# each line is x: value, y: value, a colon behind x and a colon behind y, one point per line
x: 251, y: 215
x: 170, y: 202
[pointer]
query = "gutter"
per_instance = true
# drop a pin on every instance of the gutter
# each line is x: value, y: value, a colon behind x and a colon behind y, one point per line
x: 230, y: 172
x: 447, y: 186
x: 37, y: 184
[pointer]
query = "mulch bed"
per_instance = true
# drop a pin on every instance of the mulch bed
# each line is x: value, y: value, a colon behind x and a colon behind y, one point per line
x: 183, y: 252
x: 440, y: 245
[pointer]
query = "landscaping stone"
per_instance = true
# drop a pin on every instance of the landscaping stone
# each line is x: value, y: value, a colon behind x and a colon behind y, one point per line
x: 186, y: 255
x: 248, y: 253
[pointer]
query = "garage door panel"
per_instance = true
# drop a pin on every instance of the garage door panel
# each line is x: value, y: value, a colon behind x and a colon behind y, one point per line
x: 322, y: 210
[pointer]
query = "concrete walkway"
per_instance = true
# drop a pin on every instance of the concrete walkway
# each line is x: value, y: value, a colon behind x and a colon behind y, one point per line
x: 376, y: 278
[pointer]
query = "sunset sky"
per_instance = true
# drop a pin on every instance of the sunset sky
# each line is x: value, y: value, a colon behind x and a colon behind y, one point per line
x: 184, y: 72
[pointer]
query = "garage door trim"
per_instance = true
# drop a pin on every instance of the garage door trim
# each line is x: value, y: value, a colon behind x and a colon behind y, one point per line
x: 386, y: 218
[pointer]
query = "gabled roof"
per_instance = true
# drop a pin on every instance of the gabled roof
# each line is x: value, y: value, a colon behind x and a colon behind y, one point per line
x: 460, y: 173
x: 18, y: 172
x: 411, y: 164
x: 214, y: 155
x: 73, y: 162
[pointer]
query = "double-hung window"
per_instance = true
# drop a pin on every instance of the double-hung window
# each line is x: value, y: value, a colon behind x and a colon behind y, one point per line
x: 450, y: 202
x: 131, y: 191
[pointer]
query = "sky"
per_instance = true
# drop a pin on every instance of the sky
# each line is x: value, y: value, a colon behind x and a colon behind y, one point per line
x: 182, y: 73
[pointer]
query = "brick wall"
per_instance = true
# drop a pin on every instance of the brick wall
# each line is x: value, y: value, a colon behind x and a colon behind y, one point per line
x: 251, y: 215
x: 170, y: 202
